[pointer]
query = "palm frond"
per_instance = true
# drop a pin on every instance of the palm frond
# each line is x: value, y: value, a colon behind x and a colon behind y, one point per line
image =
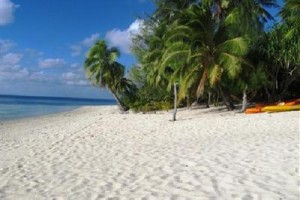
x: 187, y: 81
x: 171, y: 58
x: 237, y: 46
x: 232, y: 17
x: 231, y: 63
x: 215, y: 75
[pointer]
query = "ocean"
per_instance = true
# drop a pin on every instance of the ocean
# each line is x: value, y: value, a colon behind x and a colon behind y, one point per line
x: 14, y: 107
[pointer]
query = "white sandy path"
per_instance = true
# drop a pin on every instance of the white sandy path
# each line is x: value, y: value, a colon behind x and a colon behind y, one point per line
x: 97, y: 153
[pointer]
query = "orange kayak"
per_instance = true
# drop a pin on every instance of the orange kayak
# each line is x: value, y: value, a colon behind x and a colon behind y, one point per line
x: 273, y: 107
x: 292, y: 102
x: 258, y: 107
x: 253, y: 110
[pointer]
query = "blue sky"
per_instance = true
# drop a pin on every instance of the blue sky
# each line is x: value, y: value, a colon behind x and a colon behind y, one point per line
x: 43, y: 43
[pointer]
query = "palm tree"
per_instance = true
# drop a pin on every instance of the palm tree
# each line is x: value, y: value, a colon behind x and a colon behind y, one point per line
x: 149, y: 45
x: 247, y: 16
x: 291, y: 15
x: 291, y: 9
x: 200, y: 44
x: 102, y: 68
x: 202, y: 52
x: 168, y: 10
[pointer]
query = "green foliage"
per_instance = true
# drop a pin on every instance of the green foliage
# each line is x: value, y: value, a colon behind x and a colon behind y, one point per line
x: 102, y: 68
x: 151, y: 106
x: 291, y: 16
x: 210, y: 48
x: 151, y: 98
x: 201, y: 57
x: 213, y: 49
x: 280, y: 58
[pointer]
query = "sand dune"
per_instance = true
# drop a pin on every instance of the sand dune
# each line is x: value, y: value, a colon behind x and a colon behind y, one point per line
x: 98, y: 153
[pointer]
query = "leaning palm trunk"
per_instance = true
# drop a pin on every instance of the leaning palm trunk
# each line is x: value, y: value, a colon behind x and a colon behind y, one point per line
x: 121, y: 105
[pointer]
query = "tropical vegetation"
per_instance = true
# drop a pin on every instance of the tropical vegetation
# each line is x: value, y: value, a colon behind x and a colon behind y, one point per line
x: 102, y: 68
x: 214, y: 50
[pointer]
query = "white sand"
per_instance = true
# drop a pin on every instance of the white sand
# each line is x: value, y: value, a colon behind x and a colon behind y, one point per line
x: 97, y: 153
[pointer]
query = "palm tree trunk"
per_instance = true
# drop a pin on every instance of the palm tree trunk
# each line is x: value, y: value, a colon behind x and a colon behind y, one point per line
x: 209, y: 98
x: 268, y: 94
x: 121, y: 106
x: 244, y: 104
x: 226, y: 99
x: 175, y: 102
x: 216, y: 98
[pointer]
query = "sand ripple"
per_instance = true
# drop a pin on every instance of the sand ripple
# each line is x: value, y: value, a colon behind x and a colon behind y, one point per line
x: 97, y: 153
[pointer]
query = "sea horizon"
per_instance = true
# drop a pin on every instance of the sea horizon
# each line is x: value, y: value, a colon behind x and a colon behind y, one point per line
x: 19, y: 106
x: 17, y: 95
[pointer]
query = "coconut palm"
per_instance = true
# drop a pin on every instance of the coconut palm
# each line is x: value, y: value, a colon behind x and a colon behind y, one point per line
x: 247, y: 16
x: 102, y: 68
x: 200, y: 44
x: 291, y: 9
x: 291, y: 16
x: 202, y: 53
x: 168, y: 10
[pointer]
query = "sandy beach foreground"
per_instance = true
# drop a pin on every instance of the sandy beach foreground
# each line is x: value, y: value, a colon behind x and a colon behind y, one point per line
x: 98, y: 153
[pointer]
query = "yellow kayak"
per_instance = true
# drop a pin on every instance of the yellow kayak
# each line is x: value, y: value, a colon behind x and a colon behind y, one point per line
x: 280, y: 108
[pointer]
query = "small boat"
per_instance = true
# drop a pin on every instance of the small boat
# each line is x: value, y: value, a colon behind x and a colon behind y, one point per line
x: 292, y: 103
x: 253, y: 110
x: 274, y: 107
x: 280, y: 108
x: 258, y: 107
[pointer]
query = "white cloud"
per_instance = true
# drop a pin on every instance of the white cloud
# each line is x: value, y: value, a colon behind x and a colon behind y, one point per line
x: 7, y: 9
x: 71, y: 78
x: 10, y: 68
x: 52, y: 63
x: 33, y: 53
x: 123, y: 38
x: 11, y: 58
x: 75, y: 65
x: 6, y: 45
x: 39, y: 76
x: 10, y: 61
x: 75, y: 50
x: 89, y: 41
x: 23, y: 72
x: 79, y: 82
x: 14, y: 75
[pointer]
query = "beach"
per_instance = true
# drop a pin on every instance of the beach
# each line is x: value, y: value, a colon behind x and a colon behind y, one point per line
x: 100, y: 153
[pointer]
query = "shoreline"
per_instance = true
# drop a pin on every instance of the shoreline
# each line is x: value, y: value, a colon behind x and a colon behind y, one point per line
x: 96, y: 152
x: 30, y: 116
x: 18, y: 107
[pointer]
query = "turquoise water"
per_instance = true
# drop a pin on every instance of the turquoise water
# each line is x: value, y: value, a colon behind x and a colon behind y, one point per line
x: 14, y: 107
